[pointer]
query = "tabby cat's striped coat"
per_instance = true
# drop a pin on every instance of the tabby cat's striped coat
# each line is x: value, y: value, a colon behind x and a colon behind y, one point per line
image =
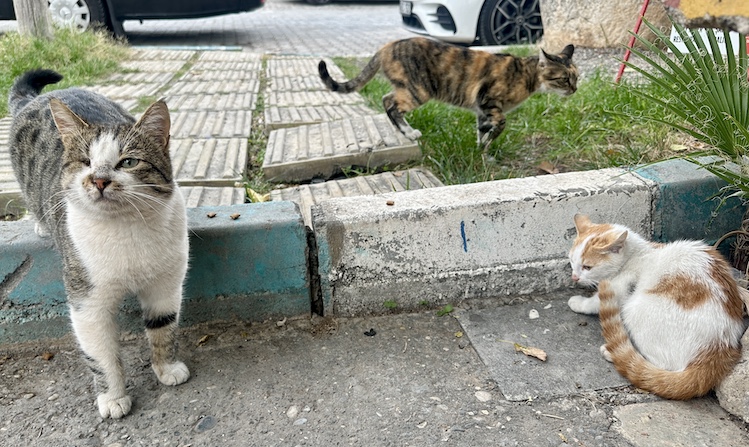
x: 491, y: 85
x: 101, y: 185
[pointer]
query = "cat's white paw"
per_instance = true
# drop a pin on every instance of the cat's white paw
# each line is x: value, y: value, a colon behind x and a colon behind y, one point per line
x: 606, y: 354
x: 113, y: 407
x: 172, y: 373
x: 412, y: 134
x: 584, y: 305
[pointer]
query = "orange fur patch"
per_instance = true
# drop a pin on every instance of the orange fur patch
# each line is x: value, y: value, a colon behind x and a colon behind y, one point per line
x: 682, y: 290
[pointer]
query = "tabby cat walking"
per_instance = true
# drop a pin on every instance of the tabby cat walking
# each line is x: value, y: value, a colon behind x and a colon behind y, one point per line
x: 671, y: 313
x: 491, y: 85
x: 101, y: 185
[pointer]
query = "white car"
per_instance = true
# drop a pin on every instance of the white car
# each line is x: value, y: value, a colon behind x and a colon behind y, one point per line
x: 483, y: 22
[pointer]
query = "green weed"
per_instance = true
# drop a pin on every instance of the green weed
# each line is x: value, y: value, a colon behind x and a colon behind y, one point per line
x: 80, y: 57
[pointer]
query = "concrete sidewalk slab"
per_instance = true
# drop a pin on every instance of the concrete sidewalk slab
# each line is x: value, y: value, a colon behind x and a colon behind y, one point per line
x: 307, y: 196
x: 250, y: 85
x: 200, y: 196
x: 696, y: 423
x: 321, y: 150
x: 212, y: 101
x: 571, y: 341
x: 153, y: 65
x: 204, y: 162
x: 211, y: 124
x: 162, y: 55
x: 281, y: 117
x: 300, y: 66
x: 157, y: 77
x: 313, y: 98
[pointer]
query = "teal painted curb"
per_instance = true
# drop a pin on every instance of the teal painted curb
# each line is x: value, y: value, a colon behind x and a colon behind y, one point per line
x: 687, y: 203
x: 252, y: 268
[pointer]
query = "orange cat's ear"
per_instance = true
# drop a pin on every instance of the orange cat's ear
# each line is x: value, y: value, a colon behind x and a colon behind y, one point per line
x: 568, y: 51
x: 618, y: 244
x: 582, y: 222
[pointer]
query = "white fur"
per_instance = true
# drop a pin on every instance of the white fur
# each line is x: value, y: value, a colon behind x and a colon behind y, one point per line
x: 668, y: 335
x: 140, y: 248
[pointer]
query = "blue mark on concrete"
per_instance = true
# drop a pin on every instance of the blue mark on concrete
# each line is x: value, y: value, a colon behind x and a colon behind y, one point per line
x: 463, y: 235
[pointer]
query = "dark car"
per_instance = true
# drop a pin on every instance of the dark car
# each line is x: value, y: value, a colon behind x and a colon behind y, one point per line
x: 111, y: 13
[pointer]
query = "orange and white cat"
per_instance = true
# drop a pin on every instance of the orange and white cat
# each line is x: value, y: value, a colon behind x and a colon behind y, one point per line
x: 671, y: 314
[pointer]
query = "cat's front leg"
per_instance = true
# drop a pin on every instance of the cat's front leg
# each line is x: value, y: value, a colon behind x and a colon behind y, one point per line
x: 94, y: 322
x: 396, y: 109
x: 489, y: 127
x: 161, y: 306
x: 584, y: 305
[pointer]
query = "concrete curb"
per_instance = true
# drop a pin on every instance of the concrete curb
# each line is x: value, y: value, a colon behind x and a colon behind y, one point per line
x: 252, y: 268
x: 495, y: 240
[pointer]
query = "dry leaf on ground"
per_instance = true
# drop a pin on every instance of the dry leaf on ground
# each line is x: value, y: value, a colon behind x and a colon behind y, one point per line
x: 531, y: 351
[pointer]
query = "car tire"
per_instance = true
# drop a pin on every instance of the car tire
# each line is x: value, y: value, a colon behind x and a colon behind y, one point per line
x: 79, y: 14
x: 505, y: 22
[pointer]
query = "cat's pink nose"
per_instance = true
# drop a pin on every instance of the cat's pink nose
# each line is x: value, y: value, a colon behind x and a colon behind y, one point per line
x: 575, y: 278
x: 101, y: 183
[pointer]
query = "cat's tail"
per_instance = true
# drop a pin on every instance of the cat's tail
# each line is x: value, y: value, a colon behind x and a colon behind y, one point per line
x: 705, y: 372
x: 353, y: 85
x: 28, y: 86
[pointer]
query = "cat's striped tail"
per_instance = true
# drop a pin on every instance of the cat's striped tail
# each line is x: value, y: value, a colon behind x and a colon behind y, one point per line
x: 353, y: 85
x: 705, y: 372
x: 28, y: 86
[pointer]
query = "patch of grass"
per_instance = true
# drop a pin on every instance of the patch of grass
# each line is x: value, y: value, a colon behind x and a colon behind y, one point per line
x: 390, y: 304
x: 80, y: 57
x: 591, y: 129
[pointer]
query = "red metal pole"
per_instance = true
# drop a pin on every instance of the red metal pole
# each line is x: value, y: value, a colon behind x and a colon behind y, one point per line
x: 632, y: 40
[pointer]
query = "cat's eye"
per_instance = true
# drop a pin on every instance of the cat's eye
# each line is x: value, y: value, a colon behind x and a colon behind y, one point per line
x: 587, y: 267
x: 128, y: 163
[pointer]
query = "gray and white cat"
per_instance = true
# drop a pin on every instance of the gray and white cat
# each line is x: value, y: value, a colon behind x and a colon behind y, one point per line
x: 101, y: 185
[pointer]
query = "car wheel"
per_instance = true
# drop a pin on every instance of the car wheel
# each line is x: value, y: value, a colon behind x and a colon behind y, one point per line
x: 78, y: 14
x: 504, y: 22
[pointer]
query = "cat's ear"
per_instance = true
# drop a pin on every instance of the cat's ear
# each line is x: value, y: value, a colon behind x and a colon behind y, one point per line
x: 618, y: 244
x: 582, y: 222
x: 543, y: 58
x: 568, y: 51
x: 68, y: 123
x: 155, y: 122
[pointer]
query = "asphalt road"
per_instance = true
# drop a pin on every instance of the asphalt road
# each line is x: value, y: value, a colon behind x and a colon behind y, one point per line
x: 344, y: 28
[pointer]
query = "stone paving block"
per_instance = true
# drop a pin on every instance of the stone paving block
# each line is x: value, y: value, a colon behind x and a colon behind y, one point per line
x: 212, y: 123
x: 154, y: 54
x: 153, y: 66
x: 209, y: 162
x: 279, y: 117
x: 313, y: 98
x: 212, y: 70
x: 282, y: 66
x: 295, y: 84
x: 159, y: 77
x: 229, y: 56
x: 570, y: 340
x: 11, y: 199
x: 196, y: 196
x: 217, y: 101
x: 128, y: 91
x: 228, y: 86
x: 365, y: 185
x: 320, y: 150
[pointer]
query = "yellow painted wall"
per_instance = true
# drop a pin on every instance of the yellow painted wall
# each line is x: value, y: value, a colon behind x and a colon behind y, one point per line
x: 698, y: 8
